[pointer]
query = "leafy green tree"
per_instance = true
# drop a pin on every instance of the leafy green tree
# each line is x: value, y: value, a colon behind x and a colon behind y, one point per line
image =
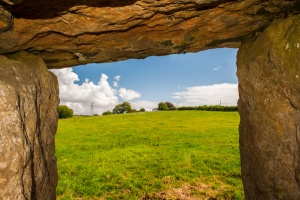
x: 170, y: 105
x: 162, y: 106
x: 107, y: 113
x: 64, y: 112
x: 125, y: 107
x: 142, y: 110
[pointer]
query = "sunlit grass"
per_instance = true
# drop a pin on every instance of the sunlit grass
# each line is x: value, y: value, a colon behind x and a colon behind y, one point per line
x: 149, y: 155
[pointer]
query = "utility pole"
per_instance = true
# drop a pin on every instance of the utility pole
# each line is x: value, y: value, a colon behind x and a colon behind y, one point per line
x: 92, y: 109
x: 220, y: 102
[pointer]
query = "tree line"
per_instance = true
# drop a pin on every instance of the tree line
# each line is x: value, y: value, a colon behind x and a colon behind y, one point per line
x: 210, y: 108
x: 125, y: 107
x: 170, y: 106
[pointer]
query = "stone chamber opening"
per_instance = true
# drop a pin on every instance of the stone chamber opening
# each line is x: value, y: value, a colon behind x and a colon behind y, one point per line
x: 96, y: 158
x: 67, y: 34
x: 190, y: 79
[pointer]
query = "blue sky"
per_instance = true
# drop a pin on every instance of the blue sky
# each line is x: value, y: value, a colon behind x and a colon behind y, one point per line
x: 185, y: 79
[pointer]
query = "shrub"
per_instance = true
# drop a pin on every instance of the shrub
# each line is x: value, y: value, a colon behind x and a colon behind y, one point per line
x: 64, y: 112
x: 107, y: 113
x: 162, y: 106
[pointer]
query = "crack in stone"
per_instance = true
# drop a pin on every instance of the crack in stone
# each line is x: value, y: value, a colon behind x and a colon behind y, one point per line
x: 38, y: 134
x: 30, y: 145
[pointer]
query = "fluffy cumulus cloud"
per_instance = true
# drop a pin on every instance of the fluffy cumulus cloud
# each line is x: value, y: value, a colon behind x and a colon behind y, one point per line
x: 208, y: 95
x: 80, y: 97
x: 128, y: 95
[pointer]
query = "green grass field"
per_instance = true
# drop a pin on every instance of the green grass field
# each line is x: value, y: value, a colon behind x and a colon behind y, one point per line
x: 156, y: 155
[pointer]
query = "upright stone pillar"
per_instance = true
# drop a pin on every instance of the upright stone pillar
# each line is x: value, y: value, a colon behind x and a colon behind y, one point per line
x: 269, y: 106
x: 28, y: 123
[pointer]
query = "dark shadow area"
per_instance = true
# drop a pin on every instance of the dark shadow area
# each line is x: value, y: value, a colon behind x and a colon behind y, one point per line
x: 43, y: 9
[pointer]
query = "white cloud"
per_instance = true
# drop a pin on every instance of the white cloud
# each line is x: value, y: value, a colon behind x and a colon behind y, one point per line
x: 115, y: 84
x: 128, y: 95
x: 209, y: 95
x: 217, y: 68
x: 148, y: 105
x: 80, y: 97
x: 117, y: 78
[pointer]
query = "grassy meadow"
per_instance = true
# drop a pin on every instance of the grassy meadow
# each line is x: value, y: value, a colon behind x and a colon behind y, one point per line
x: 157, y: 155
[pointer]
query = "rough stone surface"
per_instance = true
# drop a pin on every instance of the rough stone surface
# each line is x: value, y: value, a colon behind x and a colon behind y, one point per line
x: 269, y: 106
x: 6, y: 20
x: 71, y: 32
x: 68, y: 33
x: 28, y: 117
